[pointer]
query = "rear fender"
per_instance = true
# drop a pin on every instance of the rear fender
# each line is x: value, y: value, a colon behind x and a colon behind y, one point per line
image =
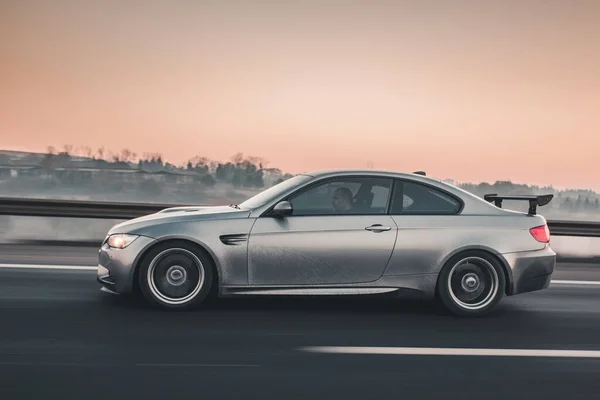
x: 505, y: 265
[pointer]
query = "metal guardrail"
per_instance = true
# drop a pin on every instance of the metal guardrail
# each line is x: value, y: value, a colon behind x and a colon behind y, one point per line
x: 574, y: 228
x: 78, y: 208
x: 111, y: 210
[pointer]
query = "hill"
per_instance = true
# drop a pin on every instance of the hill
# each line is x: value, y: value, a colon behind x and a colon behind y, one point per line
x: 82, y: 174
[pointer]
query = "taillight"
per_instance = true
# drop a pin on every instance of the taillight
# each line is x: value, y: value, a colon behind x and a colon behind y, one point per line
x: 541, y: 233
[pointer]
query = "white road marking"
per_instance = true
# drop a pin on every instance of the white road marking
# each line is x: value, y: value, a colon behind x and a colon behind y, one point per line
x: 42, y: 266
x: 563, y: 282
x: 432, y: 351
x: 92, y: 268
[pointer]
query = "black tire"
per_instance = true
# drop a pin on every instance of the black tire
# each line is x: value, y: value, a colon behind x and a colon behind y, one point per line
x: 476, y: 286
x: 176, y: 275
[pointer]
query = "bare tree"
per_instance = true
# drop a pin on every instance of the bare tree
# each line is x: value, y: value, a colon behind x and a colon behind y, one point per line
x: 258, y: 161
x: 126, y: 155
x: 237, y: 158
x: 87, y: 151
x: 199, y: 161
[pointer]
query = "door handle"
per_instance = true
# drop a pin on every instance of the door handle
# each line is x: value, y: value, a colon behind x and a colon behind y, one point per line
x: 377, y: 228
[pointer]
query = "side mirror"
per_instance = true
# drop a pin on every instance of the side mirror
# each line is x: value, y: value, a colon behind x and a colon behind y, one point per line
x: 283, y: 209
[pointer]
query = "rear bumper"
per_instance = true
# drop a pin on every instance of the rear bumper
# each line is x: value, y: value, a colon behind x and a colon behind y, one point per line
x: 530, y: 271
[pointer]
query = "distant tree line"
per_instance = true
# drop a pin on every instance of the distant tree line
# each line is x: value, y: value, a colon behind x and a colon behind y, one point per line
x: 249, y: 172
x: 240, y: 171
x: 580, y: 204
x: 573, y: 201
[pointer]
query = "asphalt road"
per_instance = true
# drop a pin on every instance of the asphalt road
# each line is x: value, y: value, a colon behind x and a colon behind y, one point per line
x: 61, y: 336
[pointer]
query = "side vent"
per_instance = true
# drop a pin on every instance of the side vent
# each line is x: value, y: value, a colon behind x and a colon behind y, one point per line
x: 233, y: 239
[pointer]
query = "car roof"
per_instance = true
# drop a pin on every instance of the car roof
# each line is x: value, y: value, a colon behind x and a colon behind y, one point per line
x: 382, y: 173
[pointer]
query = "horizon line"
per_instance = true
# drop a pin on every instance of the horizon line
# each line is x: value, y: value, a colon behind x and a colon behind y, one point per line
x: 73, y: 153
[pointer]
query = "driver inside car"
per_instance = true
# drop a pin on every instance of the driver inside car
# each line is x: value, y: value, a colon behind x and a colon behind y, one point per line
x: 342, y: 200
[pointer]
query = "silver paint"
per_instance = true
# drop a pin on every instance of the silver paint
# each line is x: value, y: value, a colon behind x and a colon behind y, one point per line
x: 318, y: 250
x: 119, y: 262
x: 337, y: 254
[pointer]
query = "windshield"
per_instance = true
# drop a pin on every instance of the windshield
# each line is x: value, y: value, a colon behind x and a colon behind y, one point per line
x: 274, y: 191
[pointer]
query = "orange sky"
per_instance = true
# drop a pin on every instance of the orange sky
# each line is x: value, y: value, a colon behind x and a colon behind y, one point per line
x: 471, y: 90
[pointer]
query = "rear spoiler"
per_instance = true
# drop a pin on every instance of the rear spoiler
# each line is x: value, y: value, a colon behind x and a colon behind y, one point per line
x: 534, y: 200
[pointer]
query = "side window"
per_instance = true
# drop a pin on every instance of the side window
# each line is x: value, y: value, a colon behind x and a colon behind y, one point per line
x: 343, y: 196
x: 418, y: 199
x: 381, y: 196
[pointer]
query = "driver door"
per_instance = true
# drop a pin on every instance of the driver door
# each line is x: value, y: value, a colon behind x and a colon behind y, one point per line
x: 317, y: 245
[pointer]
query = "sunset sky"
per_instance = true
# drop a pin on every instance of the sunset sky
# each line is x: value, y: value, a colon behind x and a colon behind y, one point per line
x: 471, y: 90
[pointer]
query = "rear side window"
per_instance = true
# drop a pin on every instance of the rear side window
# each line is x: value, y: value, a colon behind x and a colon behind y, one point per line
x: 412, y: 198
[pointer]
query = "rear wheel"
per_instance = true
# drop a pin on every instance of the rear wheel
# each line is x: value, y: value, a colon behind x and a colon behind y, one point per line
x: 176, y: 276
x: 471, y: 284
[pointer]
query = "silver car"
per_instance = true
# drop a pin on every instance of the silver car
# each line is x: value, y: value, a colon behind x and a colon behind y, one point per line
x: 336, y: 233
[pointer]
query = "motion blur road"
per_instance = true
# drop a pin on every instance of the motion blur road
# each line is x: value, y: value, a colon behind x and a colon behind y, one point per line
x: 61, y: 336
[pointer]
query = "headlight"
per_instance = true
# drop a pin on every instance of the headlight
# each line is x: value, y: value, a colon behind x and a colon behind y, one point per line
x: 121, y: 240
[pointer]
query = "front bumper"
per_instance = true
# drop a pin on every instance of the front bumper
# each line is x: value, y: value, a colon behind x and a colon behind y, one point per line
x: 116, y: 266
x: 531, y: 270
x: 105, y: 279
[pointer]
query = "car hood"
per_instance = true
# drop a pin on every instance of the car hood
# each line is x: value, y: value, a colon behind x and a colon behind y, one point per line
x: 179, y: 214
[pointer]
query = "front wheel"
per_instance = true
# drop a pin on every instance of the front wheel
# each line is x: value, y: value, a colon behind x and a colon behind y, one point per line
x: 471, y: 284
x: 175, y: 276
